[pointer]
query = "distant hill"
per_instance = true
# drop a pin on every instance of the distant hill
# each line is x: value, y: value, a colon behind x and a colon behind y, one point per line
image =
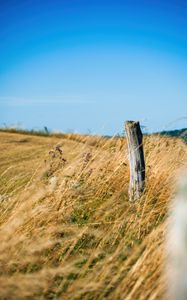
x: 181, y: 133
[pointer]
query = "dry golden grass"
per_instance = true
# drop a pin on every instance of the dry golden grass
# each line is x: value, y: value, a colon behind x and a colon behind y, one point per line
x: 68, y: 230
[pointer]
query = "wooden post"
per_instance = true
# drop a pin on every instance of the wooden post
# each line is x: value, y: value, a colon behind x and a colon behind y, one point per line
x: 136, y: 160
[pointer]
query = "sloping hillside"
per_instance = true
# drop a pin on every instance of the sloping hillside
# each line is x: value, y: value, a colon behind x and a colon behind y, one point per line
x: 68, y: 230
x: 181, y: 133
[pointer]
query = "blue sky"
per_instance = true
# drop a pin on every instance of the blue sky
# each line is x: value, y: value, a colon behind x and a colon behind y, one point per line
x: 90, y: 65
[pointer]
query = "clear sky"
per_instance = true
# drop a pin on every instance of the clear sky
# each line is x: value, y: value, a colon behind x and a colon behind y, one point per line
x: 88, y: 65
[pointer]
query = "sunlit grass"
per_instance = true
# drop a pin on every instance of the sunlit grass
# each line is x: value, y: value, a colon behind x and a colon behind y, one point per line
x: 68, y: 230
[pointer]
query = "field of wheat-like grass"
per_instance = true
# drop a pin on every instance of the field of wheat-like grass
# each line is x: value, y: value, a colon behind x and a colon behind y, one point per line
x: 67, y: 229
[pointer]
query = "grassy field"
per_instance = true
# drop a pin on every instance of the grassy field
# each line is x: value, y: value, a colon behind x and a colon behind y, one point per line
x: 68, y: 230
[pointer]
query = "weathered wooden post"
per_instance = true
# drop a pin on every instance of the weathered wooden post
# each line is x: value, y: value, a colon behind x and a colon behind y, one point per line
x: 136, y: 160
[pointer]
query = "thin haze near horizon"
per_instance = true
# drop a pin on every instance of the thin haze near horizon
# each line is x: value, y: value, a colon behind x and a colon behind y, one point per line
x: 87, y: 66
